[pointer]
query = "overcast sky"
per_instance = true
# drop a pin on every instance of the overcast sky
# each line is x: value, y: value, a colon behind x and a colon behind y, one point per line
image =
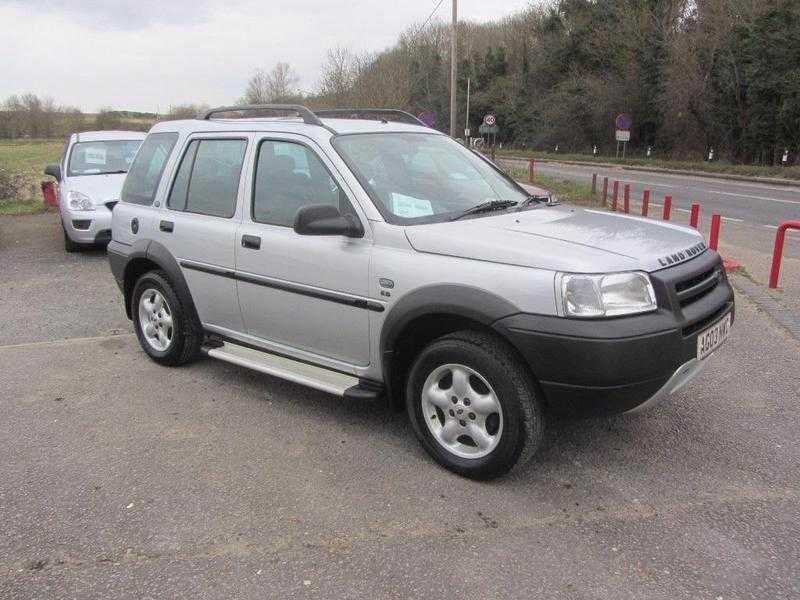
x: 148, y: 54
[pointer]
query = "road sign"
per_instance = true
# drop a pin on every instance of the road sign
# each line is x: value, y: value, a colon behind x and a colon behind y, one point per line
x: 489, y: 120
x: 466, y: 132
x: 484, y: 128
x: 624, y: 122
x: 428, y: 117
x: 623, y: 135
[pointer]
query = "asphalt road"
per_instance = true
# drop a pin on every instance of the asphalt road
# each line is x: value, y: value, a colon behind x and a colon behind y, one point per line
x: 123, y: 479
x: 737, y: 201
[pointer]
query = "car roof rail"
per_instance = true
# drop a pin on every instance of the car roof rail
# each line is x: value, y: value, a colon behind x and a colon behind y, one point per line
x: 304, y: 113
x: 355, y: 113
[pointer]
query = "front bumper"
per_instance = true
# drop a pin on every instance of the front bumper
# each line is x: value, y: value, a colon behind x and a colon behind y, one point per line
x: 88, y: 227
x: 609, y: 366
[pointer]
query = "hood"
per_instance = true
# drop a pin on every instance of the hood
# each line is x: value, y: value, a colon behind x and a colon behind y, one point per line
x: 100, y: 188
x: 562, y: 238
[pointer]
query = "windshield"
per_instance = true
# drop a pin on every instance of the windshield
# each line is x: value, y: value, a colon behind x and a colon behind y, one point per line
x: 422, y: 178
x: 97, y: 158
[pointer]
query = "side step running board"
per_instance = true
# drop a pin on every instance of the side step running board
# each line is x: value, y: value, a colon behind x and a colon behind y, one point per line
x: 319, y: 378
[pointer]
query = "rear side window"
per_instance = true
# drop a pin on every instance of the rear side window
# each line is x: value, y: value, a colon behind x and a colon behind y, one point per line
x: 207, y: 182
x: 142, y: 180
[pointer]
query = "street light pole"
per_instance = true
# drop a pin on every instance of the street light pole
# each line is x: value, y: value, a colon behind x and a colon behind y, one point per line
x: 466, y: 118
x: 453, y: 70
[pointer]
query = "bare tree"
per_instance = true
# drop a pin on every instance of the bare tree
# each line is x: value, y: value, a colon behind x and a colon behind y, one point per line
x: 339, y: 75
x: 279, y: 85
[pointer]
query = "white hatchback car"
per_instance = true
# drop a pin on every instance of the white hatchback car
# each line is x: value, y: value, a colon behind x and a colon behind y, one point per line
x: 90, y: 177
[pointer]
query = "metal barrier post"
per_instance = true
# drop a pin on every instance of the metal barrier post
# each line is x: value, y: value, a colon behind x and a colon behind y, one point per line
x: 667, y: 207
x: 713, y: 236
x: 614, y: 195
x: 530, y: 170
x: 694, y: 216
x: 594, y: 183
x: 777, y: 252
x: 645, y: 202
x: 626, y: 201
x: 605, y: 190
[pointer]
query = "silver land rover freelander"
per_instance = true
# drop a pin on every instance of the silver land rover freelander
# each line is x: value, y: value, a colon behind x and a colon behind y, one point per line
x: 361, y: 253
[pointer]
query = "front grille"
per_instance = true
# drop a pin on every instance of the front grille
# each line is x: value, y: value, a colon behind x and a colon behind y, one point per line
x: 702, y: 323
x: 694, y: 288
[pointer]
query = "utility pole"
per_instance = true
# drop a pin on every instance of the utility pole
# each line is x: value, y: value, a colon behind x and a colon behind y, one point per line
x: 453, y: 70
x: 466, y: 118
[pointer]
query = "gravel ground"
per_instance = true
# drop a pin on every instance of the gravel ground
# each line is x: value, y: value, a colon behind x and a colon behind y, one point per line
x: 124, y: 479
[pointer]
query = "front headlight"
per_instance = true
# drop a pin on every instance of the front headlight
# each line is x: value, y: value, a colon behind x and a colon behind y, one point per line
x: 79, y: 201
x: 608, y: 295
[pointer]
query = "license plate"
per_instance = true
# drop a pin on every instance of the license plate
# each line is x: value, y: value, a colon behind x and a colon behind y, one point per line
x: 712, y: 338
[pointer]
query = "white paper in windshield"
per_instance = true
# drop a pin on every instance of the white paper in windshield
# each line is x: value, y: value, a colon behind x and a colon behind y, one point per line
x: 410, y: 207
x: 95, y: 156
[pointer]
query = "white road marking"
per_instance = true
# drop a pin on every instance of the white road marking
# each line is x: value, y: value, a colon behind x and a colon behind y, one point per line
x: 754, y: 197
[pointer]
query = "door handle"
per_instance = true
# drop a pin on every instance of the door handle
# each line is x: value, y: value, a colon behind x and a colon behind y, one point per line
x: 251, y: 241
x: 167, y: 226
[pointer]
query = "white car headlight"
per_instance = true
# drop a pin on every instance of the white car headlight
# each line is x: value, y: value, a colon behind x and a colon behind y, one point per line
x: 607, y: 295
x: 79, y: 201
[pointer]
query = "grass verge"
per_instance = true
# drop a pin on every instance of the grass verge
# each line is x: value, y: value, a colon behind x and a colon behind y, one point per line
x: 565, y: 189
x: 26, y: 159
x: 718, y: 167
x: 22, y: 207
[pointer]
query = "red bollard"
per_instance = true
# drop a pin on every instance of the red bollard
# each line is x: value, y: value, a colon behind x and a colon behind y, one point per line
x: 605, y: 190
x: 614, y: 195
x: 694, y: 216
x: 667, y: 207
x: 713, y: 236
x: 530, y: 170
x: 594, y: 183
x: 626, y: 201
x: 645, y: 202
x: 777, y: 252
x: 49, y: 193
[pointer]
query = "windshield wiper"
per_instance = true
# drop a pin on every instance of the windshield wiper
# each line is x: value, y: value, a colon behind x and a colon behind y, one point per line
x: 111, y: 172
x: 546, y: 201
x: 487, y: 206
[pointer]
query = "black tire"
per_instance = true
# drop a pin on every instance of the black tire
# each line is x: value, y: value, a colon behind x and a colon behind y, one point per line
x: 514, y: 388
x: 69, y: 245
x: 187, y: 337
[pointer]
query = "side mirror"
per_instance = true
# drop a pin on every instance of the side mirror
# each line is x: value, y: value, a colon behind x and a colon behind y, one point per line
x: 324, y: 219
x: 53, y: 170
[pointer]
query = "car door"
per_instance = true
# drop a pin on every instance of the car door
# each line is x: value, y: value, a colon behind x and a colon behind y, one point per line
x: 198, y: 224
x: 301, y: 293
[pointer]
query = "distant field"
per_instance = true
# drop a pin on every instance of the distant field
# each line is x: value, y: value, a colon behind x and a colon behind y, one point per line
x: 26, y: 159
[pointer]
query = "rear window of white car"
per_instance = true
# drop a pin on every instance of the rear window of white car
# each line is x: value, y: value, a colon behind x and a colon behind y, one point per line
x: 145, y: 173
x: 102, y: 157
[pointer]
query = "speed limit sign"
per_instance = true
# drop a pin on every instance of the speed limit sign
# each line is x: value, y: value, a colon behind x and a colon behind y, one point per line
x: 489, y: 120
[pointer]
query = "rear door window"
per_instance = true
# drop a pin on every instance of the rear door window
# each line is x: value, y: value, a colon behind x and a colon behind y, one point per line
x: 207, y: 181
x: 145, y: 173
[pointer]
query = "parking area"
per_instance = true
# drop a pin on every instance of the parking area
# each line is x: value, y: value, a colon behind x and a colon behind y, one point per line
x: 121, y: 478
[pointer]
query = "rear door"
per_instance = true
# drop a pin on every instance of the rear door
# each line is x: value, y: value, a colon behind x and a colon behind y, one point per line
x: 135, y: 217
x: 199, y: 222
